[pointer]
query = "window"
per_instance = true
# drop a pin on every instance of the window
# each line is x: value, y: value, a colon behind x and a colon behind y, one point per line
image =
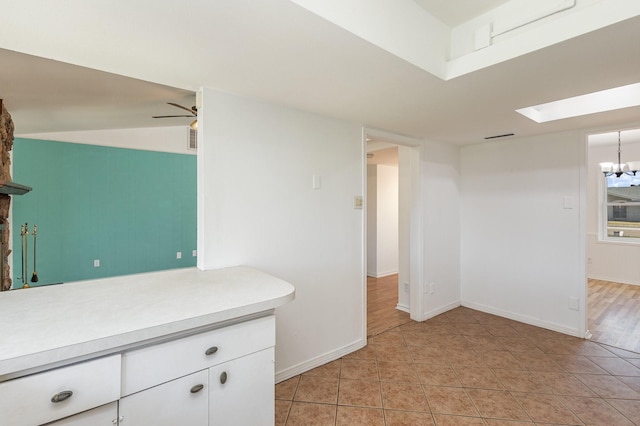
x: 621, y: 208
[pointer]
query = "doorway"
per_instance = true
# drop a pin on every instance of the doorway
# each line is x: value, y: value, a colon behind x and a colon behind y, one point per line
x: 393, y: 249
x: 613, y: 242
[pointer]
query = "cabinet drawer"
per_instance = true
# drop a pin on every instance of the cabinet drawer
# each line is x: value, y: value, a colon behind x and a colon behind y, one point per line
x: 153, y: 365
x: 30, y: 400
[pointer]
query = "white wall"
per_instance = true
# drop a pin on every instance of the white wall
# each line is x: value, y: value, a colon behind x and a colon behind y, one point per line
x: 405, y: 154
x: 441, y: 228
x: 522, y: 250
x: 372, y: 219
x: 610, y: 261
x: 382, y: 220
x: 257, y: 207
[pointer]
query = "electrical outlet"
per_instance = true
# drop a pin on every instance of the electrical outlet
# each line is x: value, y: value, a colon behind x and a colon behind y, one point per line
x: 179, y: 255
x: 96, y: 263
x: 406, y: 287
x: 432, y: 288
x: 194, y: 253
x: 574, y: 303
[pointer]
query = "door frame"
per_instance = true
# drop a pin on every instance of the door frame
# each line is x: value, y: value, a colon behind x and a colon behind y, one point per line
x: 416, y: 258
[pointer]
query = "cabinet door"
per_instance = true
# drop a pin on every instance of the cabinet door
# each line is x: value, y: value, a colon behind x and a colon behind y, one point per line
x: 179, y: 402
x: 102, y: 416
x: 241, y: 392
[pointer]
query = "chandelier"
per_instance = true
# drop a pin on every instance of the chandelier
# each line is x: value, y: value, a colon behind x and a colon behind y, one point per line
x: 618, y: 169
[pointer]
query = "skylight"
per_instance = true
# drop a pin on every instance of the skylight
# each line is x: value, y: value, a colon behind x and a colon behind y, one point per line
x: 591, y: 103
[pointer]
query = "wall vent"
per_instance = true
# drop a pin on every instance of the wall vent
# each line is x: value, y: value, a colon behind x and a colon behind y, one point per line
x: 192, y: 142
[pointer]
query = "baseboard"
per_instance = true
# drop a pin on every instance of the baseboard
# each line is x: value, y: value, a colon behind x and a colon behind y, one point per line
x: 614, y: 280
x: 305, y: 366
x: 440, y: 310
x: 524, y: 319
x: 381, y: 274
x: 403, y: 308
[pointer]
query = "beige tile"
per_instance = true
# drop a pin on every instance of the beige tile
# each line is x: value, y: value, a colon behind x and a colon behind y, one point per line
x: 496, y: 422
x: 518, y: 344
x: 449, y: 420
x: 501, y: 330
x: 616, y: 366
x: 536, y: 360
x: 607, y: 386
x: 368, y: 352
x: 466, y: 358
x: 408, y: 418
x: 501, y: 359
x: 622, y: 353
x: 389, y: 338
x: 286, y: 389
x: 282, y: 412
x: 331, y: 369
x: 546, y: 409
x: 317, y: 389
x: 361, y: 369
x: 472, y: 330
x: 564, y: 384
x: 446, y: 400
x: 629, y: 408
x: 306, y: 414
x: 355, y: 416
x: 417, y: 338
x: 360, y: 393
x: 497, y: 404
x: 578, y: 364
x: 595, y: 411
x: 478, y: 377
x: 484, y: 343
x: 428, y: 355
x: 404, y: 396
x: 632, y: 382
x: 437, y: 375
x: 520, y: 380
x: 393, y: 353
x: 397, y: 371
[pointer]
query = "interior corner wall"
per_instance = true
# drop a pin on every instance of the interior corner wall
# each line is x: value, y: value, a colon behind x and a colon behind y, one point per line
x: 608, y: 260
x: 257, y: 207
x: 440, y: 171
x: 522, y: 237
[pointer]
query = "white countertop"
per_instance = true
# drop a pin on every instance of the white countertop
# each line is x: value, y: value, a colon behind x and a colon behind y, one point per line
x: 53, y: 324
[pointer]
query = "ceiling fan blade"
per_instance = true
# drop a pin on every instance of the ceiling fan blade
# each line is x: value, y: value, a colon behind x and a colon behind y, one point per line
x: 191, y: 110
x: 171, y: 116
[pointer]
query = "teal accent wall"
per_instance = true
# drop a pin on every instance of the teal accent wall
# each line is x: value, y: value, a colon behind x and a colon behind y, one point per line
x: 131, y: 209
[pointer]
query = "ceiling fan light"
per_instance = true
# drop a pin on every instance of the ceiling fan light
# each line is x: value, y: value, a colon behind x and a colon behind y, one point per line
x: 194, y: 124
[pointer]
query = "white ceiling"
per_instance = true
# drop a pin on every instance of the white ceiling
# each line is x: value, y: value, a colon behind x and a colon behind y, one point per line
x: 279, y: 52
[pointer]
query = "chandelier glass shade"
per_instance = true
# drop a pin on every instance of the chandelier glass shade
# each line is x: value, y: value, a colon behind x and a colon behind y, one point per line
x: 618, y: 169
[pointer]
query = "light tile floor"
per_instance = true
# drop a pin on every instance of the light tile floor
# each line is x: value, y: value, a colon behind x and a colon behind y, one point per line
x: 466, y: 367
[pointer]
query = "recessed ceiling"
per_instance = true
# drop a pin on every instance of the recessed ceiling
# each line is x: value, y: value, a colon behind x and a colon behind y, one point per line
x: 456, y: 12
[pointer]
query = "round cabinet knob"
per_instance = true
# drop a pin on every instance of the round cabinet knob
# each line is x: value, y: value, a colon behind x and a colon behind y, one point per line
x: 196, y: 388
x: 223, y: 377
x: 212, y: 350
x: 61, y: 396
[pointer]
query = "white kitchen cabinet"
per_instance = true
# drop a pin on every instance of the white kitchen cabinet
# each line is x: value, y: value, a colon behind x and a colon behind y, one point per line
x: 241, y: 391
x: 105, y: 415
x: 126, y: 347
x: 61, y: 392
x: 183, y: 401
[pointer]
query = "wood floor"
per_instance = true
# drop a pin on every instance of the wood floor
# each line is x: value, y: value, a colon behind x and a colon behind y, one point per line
x: 382, y: 298
x: 614, y: 314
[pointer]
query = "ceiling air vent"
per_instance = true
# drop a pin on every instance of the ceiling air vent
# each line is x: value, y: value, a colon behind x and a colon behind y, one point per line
x: 192, y: 142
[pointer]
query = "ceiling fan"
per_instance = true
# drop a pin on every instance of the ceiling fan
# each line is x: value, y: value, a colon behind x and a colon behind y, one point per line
x: 193, y: 110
